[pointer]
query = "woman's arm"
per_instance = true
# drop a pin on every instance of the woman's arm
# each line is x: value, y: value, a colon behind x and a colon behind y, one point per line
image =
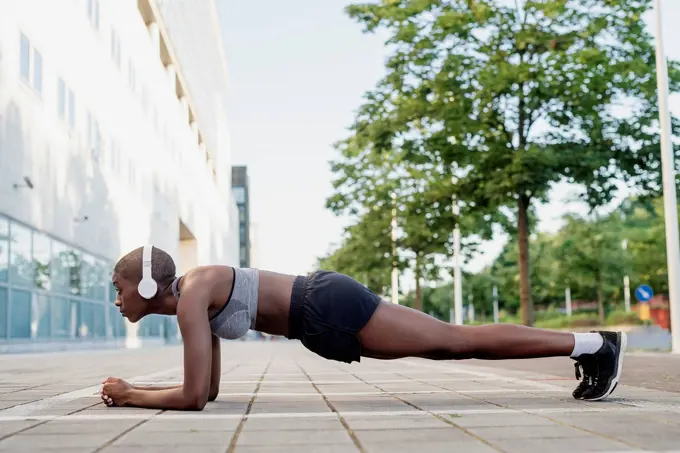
x: 215, y: 370
x: 215, y: 373
x: 194, y: 392
x: 156, y: 387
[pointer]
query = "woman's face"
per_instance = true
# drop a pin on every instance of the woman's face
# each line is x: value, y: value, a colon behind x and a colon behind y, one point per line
x: 131, y: 305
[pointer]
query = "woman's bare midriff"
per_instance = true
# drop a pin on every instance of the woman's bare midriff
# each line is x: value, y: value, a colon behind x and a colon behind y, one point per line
x: 273, y: 305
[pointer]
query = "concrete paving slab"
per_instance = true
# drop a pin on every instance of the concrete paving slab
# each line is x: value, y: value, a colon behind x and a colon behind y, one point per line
x: 50, y: 403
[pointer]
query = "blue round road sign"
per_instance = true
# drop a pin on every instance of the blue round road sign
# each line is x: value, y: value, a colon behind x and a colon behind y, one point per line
x: 643, y: 293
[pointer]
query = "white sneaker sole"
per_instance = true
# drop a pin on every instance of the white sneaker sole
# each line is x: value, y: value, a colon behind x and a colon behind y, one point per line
x: 619, y: 368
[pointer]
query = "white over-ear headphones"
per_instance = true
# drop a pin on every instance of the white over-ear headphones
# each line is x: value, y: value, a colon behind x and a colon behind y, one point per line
x: 147, y: 287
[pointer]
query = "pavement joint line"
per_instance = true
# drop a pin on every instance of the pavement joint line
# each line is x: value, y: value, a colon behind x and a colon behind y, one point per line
x: 45, y: 403
x: 125, y: 431
x: 485, y: 375
x: 24, y: 389
x: 301, y: 382
x: 234, y: 439
x: 350, y: 431
x: 560, y: 422
x: 396, y: 392
x: 443, y: 419
x: 14, y: 433
x: 275, y: 415
x: 662, y: 407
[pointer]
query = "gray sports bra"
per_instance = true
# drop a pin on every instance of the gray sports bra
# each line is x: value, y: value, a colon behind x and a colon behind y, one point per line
x: 239, y: 314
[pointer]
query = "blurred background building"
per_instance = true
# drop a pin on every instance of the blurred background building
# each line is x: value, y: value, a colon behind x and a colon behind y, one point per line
x: 239, y: 187
x: 113, y: 134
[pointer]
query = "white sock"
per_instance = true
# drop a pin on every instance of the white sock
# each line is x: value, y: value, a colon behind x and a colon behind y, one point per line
x: 586, y: 343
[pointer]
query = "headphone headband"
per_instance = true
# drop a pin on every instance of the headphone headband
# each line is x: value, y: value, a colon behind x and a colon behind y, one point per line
x: 146, y: 261
x: 147, y: 286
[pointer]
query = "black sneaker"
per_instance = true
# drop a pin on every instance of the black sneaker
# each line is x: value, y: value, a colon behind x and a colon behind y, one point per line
x: 602, y: 370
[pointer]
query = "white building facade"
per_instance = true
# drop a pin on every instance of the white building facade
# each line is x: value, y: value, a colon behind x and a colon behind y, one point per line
x: 109, y: 139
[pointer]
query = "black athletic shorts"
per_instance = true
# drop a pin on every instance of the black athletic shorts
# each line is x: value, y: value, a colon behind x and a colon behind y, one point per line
x: 327, y: 309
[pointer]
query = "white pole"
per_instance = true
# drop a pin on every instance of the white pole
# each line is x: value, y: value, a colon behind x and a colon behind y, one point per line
x: 495, y: 305
x: 668, y: 170
x: 626, y: 292
x: 567, y: 297
x: 457, y: 279
x: 395, y: 271
x: 626, y: 280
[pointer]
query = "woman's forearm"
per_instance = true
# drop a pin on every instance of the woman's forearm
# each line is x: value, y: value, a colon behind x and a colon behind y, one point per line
x: 169, y: 399
x: 156, y: 387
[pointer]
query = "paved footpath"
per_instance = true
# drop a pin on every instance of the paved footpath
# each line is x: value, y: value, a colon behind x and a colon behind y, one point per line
x: 277, y: 397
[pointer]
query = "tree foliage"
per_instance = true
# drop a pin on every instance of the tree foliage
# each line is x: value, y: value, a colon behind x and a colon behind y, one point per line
x: 504, y: 99
x: 586, y: 255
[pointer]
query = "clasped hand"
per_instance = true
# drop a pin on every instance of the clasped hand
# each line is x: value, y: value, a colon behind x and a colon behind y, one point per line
x: 115, y: 392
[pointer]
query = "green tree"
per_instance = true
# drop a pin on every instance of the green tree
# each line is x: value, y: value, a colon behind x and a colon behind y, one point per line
x: 644, y: 229
x: 365, y: 252
x: 592, y: 257
x: 548, y: 288
x: 508, y: 99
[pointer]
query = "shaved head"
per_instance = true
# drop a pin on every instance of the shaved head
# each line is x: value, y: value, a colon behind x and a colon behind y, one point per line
x: 162, y: 266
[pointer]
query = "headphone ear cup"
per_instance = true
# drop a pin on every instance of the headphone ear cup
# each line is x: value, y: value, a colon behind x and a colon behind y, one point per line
x: 147, y: 288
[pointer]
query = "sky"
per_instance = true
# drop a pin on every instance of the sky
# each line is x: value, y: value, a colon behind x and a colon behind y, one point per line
x: 297, y: 73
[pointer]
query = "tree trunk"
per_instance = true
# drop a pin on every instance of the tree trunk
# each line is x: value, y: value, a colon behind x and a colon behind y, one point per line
x: 600, y: 297
x: 526, y: 301
x: 418, y: 302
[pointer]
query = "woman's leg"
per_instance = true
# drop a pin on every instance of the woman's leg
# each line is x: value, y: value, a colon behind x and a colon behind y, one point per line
x: 395, y: 331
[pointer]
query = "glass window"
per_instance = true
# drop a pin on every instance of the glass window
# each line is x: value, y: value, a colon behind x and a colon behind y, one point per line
x: 61, y: 318
x: 118, y: 328
x: 244, y: 253
x: 25, y: 56
x: 71, y: 109
x: 242, y: 232
x: 37, y: 71
x: 3, y: 312
x: 20, y: 264
x: 4, y: 249
x: 99, y: 327
x: 59, y: 271
x: 241, y: 213
x: 113, y: 326
x: 75, y: 274
x: 102, y: 282
x: 93, y: 276
x: 88, y: 275
x: 93, y: 12
x: 94, y: 137
x: 61, y: 96
x: 86, y: 322
x: 41, y: 261
x: 239, y: 194
x: 20, y: 310
x: 41, y: 324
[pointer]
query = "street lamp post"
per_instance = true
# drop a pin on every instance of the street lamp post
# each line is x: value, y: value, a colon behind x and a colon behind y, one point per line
x: 668, y: 171
x: 567, y: 299
x: 395, y: 271
x: 457, y: 279
x: 626, y: 280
